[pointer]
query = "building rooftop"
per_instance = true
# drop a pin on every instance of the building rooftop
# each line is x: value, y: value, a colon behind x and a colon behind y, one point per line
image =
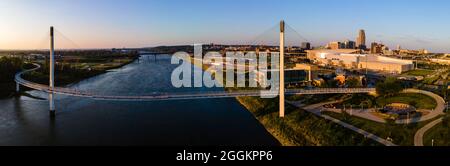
x: 336, y: 51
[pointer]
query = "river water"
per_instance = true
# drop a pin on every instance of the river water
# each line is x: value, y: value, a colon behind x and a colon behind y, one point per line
x: 82, y: 121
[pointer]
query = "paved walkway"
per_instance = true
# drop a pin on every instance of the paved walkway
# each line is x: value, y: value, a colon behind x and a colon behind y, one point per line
x: 418, y: 137
x: 316, y: 109
x: 362, y: 113
x: 439, y: 110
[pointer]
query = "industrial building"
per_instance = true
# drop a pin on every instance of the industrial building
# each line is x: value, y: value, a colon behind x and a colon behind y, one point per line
x: 352, y: 59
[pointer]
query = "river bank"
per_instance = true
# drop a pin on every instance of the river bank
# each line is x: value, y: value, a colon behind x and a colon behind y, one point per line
x: 76, y: 72
x: 301, y: 128
x: 200, y: 122
x: 298, y: 128
x: 9, y: 66
x: 71, y: 68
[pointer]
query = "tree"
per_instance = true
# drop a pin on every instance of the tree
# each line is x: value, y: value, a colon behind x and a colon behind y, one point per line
x: 353, y: 82
x: 331, y: 83
x: 389, y: 87
x: 8, y: 68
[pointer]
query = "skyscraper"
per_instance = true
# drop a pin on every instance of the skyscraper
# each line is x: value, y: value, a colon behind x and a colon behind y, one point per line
x: 361, y: 40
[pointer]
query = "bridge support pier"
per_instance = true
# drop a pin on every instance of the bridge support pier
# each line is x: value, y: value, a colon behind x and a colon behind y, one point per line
x: 51, y: 103
x: 17, y: 87
x: 52, y: 74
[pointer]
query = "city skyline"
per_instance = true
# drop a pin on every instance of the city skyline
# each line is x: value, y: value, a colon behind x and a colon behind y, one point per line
x: 109, y: 24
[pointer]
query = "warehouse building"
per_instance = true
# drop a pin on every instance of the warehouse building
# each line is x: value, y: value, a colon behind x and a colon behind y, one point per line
x: 351, y: 59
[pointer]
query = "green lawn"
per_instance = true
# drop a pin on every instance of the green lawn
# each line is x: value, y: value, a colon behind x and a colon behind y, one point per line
x: 419, y: 72
x: 301, y: 128
x: 430, y: 80
x: 417, y: 100
x: 439, y: 133
x: 313, y: 99
x: 401, y: 134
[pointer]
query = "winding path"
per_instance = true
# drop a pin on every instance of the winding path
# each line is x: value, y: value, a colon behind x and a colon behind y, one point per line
x: 438, y: 110
x: 418, y: 137
x: 316, y: 110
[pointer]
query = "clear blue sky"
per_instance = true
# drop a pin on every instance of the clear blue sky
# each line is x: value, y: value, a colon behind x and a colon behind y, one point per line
x: 136, y: 23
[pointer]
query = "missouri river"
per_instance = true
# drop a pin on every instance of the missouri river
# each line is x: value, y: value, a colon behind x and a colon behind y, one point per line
x: 82, y: 121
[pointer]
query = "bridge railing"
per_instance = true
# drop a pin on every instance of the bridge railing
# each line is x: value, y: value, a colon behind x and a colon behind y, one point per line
x: 177, y: 95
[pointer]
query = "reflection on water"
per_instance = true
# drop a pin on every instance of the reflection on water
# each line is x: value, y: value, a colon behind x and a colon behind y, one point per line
x: 81, y: 121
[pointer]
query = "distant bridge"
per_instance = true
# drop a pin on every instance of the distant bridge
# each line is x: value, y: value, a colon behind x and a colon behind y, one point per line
x: 154, y: 52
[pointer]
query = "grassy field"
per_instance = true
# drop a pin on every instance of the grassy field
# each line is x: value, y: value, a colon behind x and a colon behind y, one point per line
x: 301, y: 128
x: 419, y: 101
x: 71, y: 71
x: 313, y: 99
x: 71, y: 67
x: 430, y: 80
x: 419, y: 72
x: 439, y: 133
x: 401, y: 134
x: 102, y: 65
x: 358, y: 100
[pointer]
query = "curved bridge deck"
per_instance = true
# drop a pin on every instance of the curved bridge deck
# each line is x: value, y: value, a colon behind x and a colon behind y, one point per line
x: 177, y: 95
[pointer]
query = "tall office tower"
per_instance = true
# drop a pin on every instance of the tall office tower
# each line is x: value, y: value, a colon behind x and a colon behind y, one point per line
x: 361, y: 40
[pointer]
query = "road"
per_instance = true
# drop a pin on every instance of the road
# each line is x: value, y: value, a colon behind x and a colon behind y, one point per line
x: 418, y: 137
x: 315, y: 109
